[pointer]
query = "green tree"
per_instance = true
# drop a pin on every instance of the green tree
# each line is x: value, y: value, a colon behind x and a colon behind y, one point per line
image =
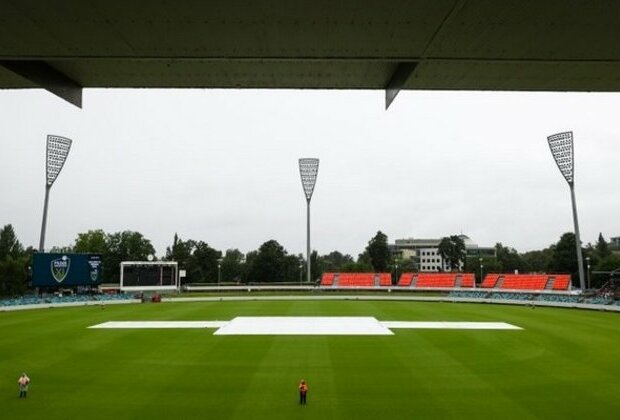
x: 564, y: 257
x: 233, y: 266
x: 124, y: 246
x: 334, y: 261
x: 291, y: 268
x: 197, y: 258
x: 92, y: 242
x: 452, y: 251
x: 13, y: 275
x: 271, y: 264
x: 14, y: 262
x: 9, y: 244
x: 406, y: 265
x: 204, y: 261
x: 378, y: 252
x: 607, y: 264
x: 602, y: 249
x: 539, y: 261
x: 364, y: 259
x: 508, y: 258
x: 181, y: 252
x: 361, y: 266
x: 250, y: 258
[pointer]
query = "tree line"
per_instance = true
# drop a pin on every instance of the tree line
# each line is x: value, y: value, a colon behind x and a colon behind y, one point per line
x: 272, y: 263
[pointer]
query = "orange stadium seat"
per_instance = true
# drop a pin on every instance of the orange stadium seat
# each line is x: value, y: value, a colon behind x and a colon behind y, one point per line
x: 327, y: 279
x: 526, y: 281
x: 356, y: 279
x: 561, y: 282
x: 385, y: 279
x: 489, y: 281
x: 467, y: 280
x: 405, y: 279
x: 436, y: 280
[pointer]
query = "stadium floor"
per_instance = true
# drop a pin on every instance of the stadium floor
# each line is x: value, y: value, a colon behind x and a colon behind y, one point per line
x: 561, y: 365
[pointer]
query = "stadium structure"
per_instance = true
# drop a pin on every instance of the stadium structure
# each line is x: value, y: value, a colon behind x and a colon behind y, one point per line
x: 429, y: 346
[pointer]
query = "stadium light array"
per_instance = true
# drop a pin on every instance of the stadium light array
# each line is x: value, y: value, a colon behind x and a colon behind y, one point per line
x: 308, y: 169
x: 562, y: 149
x: 56, y: 154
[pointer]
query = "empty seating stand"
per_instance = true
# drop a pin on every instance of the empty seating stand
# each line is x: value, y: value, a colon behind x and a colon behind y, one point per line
x: 526, y: 281
x: 449, y: 280
x: 436, y: 280
x: 356, y: 279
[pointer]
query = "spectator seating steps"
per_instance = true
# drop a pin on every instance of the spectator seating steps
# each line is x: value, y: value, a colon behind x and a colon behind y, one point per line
x: 527, y: 281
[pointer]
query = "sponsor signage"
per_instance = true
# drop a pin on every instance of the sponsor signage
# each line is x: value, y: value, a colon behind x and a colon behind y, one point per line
x: 63, y: 270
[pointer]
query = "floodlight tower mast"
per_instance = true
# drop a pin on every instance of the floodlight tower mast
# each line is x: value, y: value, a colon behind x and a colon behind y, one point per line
x: 308, y: 169
x: 56, y: 154
x: 561, y: 146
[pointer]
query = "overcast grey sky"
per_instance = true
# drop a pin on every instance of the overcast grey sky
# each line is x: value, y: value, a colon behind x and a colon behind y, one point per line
x: 221, y: 166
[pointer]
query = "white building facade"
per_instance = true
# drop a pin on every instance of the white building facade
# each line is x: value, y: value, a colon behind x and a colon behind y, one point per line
x: 425, y: 253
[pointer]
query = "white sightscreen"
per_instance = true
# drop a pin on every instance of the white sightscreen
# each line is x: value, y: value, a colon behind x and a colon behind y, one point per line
x: 147, y: 275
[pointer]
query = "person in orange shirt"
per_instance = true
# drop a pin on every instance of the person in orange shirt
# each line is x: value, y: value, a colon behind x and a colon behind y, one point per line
x: 303, y: 390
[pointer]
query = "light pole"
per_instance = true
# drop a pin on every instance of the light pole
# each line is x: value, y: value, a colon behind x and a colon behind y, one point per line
x: 396, y: 273
x: 481, y: 266
x: 464, y: 268
x: 308, y: 169
x: 588, y: 264
x: 219, y: 271
x: 56, y: 153
x: 561, y: 146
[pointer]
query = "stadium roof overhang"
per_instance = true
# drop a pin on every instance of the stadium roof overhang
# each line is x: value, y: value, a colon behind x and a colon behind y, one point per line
x: 532, y: 45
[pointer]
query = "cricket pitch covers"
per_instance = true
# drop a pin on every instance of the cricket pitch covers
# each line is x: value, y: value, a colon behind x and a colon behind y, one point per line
x: 296, y: 325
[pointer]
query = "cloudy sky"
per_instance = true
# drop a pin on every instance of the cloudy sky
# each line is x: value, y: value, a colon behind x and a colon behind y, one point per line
x: 221, y: 166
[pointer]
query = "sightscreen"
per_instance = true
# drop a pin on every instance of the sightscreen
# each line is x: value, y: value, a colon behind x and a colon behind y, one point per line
x: 146, y: 275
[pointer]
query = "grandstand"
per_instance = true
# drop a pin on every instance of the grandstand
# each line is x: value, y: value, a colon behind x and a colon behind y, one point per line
x: 356, y: 279
x: 436, y: 280
x: 555, y: 282
x: 492, y: 281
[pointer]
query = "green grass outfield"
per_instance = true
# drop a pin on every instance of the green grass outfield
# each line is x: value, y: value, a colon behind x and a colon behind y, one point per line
x: 564, y: 364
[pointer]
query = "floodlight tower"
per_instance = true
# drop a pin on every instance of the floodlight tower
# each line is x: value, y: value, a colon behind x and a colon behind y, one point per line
x: 561, y: 146
x: 56, y: 154
x: 308, y: 169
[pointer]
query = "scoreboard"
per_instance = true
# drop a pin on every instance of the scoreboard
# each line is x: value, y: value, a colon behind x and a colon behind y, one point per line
x: 55, y: 269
